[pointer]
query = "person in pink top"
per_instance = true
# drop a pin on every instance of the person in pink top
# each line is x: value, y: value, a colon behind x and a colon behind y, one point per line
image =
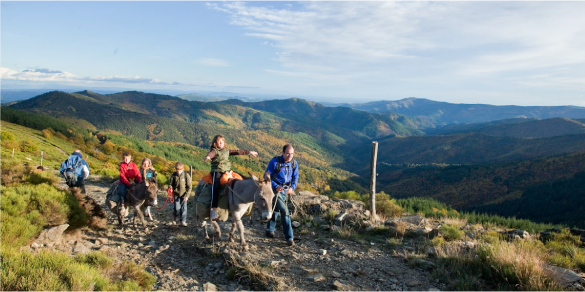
x: 129, y: 173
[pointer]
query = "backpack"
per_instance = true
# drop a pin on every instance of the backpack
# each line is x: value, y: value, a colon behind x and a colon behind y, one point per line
x: 279, y: 164
x: 72, y: 169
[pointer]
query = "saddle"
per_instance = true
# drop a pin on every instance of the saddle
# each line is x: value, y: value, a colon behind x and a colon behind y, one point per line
x: 225, y: 178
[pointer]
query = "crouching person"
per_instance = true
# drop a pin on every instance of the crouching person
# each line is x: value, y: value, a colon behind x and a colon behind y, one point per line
x: 75, y: 170
x: 181, y: 185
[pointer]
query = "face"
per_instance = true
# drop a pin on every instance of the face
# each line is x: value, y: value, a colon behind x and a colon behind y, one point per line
x: 264, y: 197
x: 288, y: 154
x: 146, y: 164
x: 127, y: 159
x: 179, y: 170
x: 220, y: 143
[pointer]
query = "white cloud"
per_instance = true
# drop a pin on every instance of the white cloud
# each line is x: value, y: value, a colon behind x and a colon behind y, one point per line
x: 420, y: 38
x: 43, y: 74
x: 212, y: 62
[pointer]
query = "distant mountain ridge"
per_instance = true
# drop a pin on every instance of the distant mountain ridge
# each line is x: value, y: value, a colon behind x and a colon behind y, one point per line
x: 443, y: 113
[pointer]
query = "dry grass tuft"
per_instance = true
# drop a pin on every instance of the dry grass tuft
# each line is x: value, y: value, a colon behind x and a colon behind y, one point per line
x: 259, y: 276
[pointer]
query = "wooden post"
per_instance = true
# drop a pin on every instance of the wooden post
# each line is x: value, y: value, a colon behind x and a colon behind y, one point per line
x: 12, y: 152
x: 41, y: 158
x: 191, y: 171
x: 373, y: 182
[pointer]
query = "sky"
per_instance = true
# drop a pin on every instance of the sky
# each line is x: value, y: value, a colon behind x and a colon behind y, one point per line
x: 502, y: 53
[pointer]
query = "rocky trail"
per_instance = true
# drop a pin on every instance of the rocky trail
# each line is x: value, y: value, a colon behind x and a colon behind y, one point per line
x: 181, y: 260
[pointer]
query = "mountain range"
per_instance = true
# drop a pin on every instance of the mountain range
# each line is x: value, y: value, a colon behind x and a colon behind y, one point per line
x: 333, y: 144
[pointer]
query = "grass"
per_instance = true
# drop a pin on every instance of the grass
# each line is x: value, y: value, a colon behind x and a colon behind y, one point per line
x: 451, y: 232
x: 27, y: 208
x: 259, y: 276
x: 516, y: 265
x: 54, y: 271
x: 564, y: 251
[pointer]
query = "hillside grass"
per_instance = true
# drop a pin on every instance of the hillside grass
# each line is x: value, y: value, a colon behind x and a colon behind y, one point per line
x: 30, y: 201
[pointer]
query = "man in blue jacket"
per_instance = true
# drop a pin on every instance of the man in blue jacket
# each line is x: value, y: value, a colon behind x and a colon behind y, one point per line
x: 74, y: 169
x: 284, y: 174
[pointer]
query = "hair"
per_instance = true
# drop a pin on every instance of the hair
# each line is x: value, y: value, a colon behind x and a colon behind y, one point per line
x: 285, y: 147
x: 126, y: 154
x: 179, y: 165
x: 77, y: 151
x: 142, y: 163
x: 214, y: 142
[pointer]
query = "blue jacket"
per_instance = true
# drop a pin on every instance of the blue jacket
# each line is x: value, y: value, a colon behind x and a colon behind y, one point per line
x: 72, y: 160
x: 286, y: 174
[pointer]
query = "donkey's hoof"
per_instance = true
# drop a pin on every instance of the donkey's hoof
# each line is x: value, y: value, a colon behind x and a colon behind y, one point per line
x: 246, y: 247
x: 231, y: 239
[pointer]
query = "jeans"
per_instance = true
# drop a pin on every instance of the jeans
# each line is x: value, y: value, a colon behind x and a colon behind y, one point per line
x: 180, y: 209
x: 282, y: 209
x: 122, y: 191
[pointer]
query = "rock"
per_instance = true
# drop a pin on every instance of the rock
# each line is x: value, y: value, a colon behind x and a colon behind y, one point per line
x: 315, y: 278
x: 433, y: 289
x: 413, y: 219
x: 562, y: 276
x: 296, y: 224
x: 425, y: 264
x: 341, y: 218
x: 316, y: 209
x: 337, y: 285
x: 322, y: 251
x: 101, y: 240
x: 51, y: 235
x: 80, y: 248
x: 335, y: 274
x: 413, y: 283
x: 518, y: 233
x: 469, y: 244
x: 35, y: 245
x: 209, y: 287
x: 430, y: 251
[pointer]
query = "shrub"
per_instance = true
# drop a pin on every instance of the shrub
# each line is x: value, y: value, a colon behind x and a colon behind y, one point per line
x: 387, y: 207
x: 42, y: 177
x: 516, y: 265
x: 6, y: 136
x: 27, y: 208
x: 451, y: 232
x: 47, y: 133
x: 28, y: 146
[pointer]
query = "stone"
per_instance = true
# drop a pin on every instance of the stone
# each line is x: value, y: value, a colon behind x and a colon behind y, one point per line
x: 425, y: 264
x: 209, y: 287
x: 341, y: 218
x: 469, y: 244
x: 337, y: 285
x: 101, y: 240
x: 562, y: 276
x: 413, y: 219
x: 80, y: 248
x: 433, y: 289
x: 335, y: 274
x: 315, y: 278
x: 322, y: 251
x: 430, y: 251
x: 296, y: 224
x: 413, y: 283
x: 51, y: 235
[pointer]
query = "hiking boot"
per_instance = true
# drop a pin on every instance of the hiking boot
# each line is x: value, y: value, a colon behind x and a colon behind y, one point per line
x: 290, y: 242
x: 184, y: 224
x: 270, y: 234
x: 214, y: 215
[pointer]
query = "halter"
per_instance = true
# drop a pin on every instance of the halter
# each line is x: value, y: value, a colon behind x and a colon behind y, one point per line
x: 234, y: 192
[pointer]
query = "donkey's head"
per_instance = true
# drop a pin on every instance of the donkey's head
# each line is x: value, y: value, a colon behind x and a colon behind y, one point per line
x: 263, y: 196
x: 151, y: 193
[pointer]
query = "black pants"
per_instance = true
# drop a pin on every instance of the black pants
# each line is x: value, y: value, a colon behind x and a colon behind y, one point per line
x: 215, y: 188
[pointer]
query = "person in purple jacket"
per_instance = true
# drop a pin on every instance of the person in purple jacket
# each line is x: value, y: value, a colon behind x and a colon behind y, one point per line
x: 284, y: 174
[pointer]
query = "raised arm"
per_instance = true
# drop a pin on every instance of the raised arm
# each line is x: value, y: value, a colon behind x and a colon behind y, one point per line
x: 209, y: 156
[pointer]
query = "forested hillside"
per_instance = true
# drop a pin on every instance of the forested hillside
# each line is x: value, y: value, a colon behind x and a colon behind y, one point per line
x: 443, y: 113
x: 543, y: 190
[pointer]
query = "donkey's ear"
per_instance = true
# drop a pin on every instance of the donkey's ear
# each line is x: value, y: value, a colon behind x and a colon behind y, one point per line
x: 253, y: 176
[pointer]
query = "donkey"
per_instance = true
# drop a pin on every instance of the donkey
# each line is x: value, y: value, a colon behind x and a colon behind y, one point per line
x: 241, y: 196
x: 139, y: 197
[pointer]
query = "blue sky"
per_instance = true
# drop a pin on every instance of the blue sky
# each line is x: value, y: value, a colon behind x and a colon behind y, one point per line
x: 523, y: 53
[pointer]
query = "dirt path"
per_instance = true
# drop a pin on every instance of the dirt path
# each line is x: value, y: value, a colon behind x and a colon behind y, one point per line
x: 180, y: 260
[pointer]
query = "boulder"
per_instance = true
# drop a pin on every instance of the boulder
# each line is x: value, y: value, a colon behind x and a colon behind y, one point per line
x: 562, y: 276
x: 51, y: 235
x: 209, y: 287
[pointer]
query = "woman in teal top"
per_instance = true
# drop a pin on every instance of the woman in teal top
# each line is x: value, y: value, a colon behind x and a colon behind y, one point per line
x: 220, y: 164
x: 149, y: 175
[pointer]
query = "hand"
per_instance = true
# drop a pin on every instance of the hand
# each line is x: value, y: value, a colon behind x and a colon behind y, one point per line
x: 290, y: 191
x: 254, y: 153
x: 206, y: 159
x: 279, y: 189
x: 169, y: 191
x: 186, y: 198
